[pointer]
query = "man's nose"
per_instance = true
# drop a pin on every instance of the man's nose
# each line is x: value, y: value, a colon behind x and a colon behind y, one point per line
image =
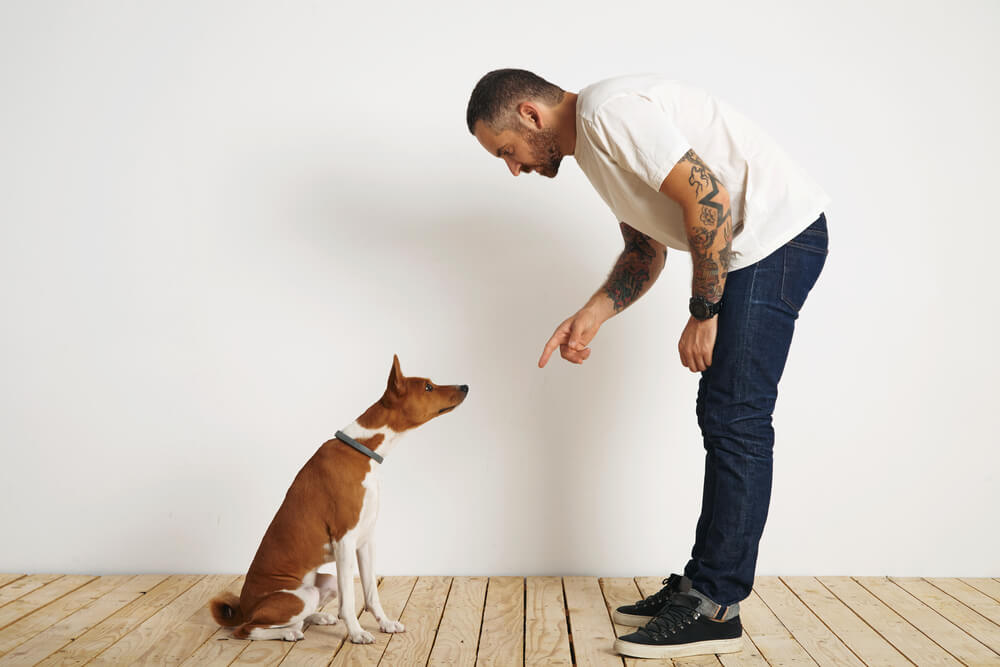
x: 513, y: 165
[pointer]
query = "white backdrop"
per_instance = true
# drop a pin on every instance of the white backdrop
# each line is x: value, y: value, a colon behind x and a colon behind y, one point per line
x: 219, y: 220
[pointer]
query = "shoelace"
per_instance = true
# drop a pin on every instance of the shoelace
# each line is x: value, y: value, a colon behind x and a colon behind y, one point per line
x: 660, y: 598
x: 670, y: 620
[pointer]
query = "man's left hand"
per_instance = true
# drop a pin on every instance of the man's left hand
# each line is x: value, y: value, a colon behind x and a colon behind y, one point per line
x: 697, y: 343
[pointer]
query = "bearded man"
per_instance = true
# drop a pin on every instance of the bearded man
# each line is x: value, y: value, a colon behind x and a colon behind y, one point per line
x: 682, y: 169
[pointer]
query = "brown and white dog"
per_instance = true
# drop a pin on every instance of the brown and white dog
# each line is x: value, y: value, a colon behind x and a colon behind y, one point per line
x: 329, y: 515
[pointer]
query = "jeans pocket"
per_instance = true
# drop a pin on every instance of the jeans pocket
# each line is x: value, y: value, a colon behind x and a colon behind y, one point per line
x: 803, y: 264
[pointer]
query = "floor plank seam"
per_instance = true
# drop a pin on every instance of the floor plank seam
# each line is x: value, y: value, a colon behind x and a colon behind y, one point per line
x: 569, y: 628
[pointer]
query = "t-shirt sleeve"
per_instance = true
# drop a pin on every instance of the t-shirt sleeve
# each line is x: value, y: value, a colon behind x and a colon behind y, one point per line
x: 640, y: 137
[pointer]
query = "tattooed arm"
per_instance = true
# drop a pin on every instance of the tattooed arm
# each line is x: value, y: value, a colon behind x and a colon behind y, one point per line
x: 636, y: 270
x: 708, y: 221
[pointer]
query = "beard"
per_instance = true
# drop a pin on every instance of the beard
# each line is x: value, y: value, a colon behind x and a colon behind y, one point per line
x: 544, y: 151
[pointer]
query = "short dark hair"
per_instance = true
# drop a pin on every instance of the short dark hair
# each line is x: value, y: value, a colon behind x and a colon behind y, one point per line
x: 499, y: 91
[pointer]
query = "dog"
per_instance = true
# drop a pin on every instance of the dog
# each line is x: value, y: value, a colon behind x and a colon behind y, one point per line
x: 329, y: 515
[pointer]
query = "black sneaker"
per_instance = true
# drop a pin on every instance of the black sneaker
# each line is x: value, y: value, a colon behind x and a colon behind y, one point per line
x: 643, y: 611
x: 679, y: 630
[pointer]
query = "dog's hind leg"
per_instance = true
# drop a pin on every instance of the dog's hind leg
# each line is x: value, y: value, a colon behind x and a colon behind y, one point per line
x: 280, y: 615
x: 326, y: 584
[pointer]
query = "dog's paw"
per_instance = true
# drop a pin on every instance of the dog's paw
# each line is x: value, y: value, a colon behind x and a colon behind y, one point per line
x: 385, y: 625
x: 321, y: 619
x: 292, y: 635
x: 363, y: 637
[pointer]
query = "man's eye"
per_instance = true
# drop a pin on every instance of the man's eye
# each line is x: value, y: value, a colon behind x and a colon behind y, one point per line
x: 428, y: 387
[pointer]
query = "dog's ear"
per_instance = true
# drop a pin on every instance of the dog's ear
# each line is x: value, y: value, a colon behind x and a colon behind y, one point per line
x: 396, y: 384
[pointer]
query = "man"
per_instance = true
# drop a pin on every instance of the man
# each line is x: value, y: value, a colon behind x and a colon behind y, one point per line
x: 684, y: 170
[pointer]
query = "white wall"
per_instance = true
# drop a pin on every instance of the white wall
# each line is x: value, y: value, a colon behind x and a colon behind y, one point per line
x: 219, y: 220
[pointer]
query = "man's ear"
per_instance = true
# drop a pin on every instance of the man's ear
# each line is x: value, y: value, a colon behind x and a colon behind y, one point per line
x: 529, y: 115
x: 396, y: 384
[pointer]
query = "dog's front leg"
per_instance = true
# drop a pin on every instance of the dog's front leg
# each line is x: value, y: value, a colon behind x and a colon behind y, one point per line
x: 366, y: 563
x: 344, y: 552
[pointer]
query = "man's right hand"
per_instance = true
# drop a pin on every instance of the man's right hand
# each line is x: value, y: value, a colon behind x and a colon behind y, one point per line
x: 572, y: 337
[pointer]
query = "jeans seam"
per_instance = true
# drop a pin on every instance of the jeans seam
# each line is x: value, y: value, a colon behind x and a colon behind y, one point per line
x: 809, y: 248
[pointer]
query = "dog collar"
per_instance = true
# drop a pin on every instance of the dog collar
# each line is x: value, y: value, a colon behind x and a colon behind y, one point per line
x: 348, y: 440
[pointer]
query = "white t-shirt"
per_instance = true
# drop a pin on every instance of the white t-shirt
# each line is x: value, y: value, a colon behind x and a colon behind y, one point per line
x: 632, y: 130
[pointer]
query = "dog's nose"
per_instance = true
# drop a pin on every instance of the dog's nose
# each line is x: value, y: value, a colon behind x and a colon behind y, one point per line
x: 464, y: 389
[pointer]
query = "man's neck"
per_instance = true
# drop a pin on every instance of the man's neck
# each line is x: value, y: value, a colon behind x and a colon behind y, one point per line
x: 565, y: 114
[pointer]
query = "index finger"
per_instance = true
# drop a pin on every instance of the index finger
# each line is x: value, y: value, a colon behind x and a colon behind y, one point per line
x: 550, y: 347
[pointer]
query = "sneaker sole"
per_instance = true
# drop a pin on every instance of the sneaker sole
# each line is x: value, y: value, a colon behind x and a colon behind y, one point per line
x: 633, y: 620
x: 679, y: 650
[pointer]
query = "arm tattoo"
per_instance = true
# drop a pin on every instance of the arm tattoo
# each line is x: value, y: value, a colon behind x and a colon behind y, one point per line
x: 628, y: 278
x: 709, y: 258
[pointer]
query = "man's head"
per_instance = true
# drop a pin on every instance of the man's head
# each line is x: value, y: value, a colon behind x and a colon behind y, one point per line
x: 512, y: 113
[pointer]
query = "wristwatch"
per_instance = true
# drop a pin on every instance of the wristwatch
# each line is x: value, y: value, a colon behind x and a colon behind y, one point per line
x: 702, y: 309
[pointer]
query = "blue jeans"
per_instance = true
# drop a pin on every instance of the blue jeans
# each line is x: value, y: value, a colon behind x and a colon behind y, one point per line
x: 736, y: 398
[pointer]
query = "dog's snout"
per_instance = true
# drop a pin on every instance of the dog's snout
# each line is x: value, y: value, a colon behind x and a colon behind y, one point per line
x: 464, y: 389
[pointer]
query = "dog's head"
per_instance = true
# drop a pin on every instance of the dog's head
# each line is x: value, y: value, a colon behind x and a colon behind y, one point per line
x: 415, y: 400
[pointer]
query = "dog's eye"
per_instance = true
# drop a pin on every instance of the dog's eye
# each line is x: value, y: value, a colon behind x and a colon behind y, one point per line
x: 428, y: 387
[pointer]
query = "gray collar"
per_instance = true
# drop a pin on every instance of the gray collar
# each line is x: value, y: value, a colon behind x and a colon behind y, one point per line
x: 348, y: 440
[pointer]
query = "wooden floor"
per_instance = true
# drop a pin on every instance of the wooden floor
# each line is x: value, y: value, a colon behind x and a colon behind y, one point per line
x: 156, y: 619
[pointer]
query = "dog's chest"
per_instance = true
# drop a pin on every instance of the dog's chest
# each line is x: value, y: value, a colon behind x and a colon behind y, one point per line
x: 369, y: 505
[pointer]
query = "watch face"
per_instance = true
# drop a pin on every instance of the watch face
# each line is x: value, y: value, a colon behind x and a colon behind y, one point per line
x: 699, y: 309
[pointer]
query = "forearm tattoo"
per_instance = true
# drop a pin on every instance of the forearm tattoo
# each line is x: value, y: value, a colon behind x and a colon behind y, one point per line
x: 711, y: 251
x: 632, y: 271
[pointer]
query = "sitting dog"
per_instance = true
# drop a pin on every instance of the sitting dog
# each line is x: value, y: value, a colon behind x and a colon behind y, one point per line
x: 329, y: 515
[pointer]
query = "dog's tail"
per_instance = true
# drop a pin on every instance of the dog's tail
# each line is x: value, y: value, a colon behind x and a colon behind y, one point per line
x: 225, y: 610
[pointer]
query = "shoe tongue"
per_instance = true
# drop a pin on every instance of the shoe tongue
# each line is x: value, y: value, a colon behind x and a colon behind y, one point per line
x: 684, y: 585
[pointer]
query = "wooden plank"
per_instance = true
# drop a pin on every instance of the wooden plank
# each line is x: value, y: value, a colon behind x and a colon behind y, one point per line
x: 147, y: 635
x: 24, y: 585
x: 772, y: 639
x: 421, y: 617
x: 968, y: 620
x: 748, y: 656
x: 6, y: 578
x: 106, y: 633
x: 393, y: 592
x: 990, y: 587
x: 546, y: 640
x: 218, y: 650
x: 969, y: 596
x: 823, y: 646
x: 263, y: 652
x: 80, y: 621
x: 855, y: 633
x: 323, y: 641
x: 458, y: 635
x: 40, y: 597
x: 944, y: 633
x: 618, y: 591
x: 178, y: 644
x: 502, y: 638
x: 591, y: 631
x: 894, y: 628
x: 24, y: 629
